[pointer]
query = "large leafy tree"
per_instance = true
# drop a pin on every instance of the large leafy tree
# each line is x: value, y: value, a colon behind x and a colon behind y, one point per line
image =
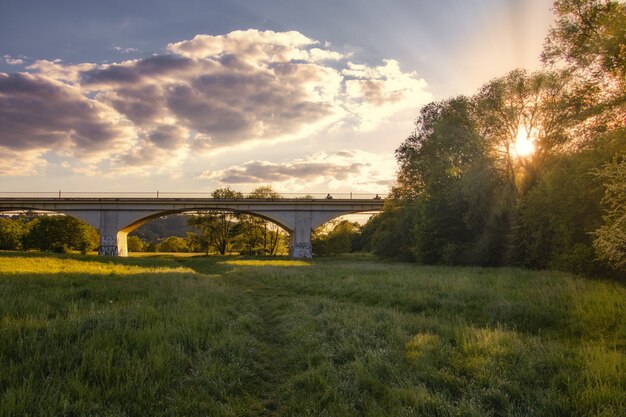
x: 216, y: 228
x: 60, y: 233
x: 537, y: 108
x: 258, y: 235
x: 335, y: 238
x: 589, y: 39
x: 446, y: 185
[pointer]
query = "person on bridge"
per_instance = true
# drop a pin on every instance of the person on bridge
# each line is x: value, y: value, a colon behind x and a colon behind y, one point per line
x: 329, y: 197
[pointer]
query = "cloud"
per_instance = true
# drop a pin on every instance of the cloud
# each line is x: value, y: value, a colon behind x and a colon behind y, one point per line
x: 124, y: 50
x: 40, y: 115
x: 376, y: 93
x: 69, y: 74
x: 252, y: 46
x: 21, y: 163
x: 322, y: 171
x: 13, y: 61
x: 207, y: 94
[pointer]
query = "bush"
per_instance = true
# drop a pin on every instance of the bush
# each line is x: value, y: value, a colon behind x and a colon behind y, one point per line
x: 172, y: 244
x: 135, y: 244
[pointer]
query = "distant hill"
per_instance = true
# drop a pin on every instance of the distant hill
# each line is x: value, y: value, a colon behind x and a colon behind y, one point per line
x: 174, y: 225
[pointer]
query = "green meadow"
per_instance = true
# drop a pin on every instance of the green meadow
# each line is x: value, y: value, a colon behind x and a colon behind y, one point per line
x: 228, y: 336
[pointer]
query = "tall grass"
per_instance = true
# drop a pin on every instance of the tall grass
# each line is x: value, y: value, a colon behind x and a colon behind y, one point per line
x: 201, y: 336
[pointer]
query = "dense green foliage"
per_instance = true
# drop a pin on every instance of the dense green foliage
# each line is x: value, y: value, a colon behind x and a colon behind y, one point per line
x: 135, y: 244
x: 589, y: 34
x: 529, y: 171
x: 610, y: 239
x: 47, y: 233
x: 219, y: 336
x: 336, y: 237
x: 12, y: 233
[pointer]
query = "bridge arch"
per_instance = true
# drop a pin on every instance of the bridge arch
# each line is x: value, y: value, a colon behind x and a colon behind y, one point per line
x: 122, y: 234
x: 140, y: 222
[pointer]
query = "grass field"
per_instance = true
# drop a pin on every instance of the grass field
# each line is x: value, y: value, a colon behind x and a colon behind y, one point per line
x: 210, y: 336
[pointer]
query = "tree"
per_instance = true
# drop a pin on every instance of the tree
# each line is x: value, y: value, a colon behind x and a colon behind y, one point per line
x: 589, y: 35
x: 450, y: 203
x: 538, y: 108
x: 335, y: 238
x: 61, y: 233
x: 589, y: 39
x: 12, y: 231
x: 216, y: 228
x: 271, y: 234
x: 444, y: 141
x: 610, y: 238
x: 390, y: 233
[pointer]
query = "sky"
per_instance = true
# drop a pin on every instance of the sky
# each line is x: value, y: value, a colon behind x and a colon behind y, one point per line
x: 190, y: 96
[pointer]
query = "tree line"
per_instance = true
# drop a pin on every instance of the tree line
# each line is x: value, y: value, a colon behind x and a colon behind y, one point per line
x: 531, y: 169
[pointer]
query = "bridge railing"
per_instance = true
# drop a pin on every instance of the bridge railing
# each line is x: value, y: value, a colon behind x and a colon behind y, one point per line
x: 176, y: 194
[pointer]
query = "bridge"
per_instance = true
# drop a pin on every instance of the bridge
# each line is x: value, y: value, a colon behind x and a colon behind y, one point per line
x: 115, y: 217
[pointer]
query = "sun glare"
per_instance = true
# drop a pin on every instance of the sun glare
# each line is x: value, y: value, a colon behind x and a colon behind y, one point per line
x: 524, y: 143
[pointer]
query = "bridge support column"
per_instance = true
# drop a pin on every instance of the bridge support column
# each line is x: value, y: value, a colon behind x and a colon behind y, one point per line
x: 113, y: 242
x: 300, y: 246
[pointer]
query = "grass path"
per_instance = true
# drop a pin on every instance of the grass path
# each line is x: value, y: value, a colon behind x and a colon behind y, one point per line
x: 274, y: 351
x: 198, y: 336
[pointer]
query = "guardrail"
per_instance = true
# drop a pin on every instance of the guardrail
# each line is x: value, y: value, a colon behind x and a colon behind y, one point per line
x: 175, y: 194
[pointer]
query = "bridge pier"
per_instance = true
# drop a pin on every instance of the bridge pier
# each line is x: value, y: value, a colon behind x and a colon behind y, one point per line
x: 113, y: 241
x: 300, y: 237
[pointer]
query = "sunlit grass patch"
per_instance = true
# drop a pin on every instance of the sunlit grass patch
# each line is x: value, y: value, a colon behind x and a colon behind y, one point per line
x: 53, y: 265
x: 419, y: 344
x: 266, y: 262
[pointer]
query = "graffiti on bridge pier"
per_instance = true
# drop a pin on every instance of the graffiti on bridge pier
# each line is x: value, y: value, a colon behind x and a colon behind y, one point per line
x: 108, y: 246
x: 107, y: 251
x: 303, y: 250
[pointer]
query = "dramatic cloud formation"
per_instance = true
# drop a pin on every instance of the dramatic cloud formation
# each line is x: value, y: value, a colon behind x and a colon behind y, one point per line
x: 40, y: 115
x: 205, y: 94
x: 350, y: 168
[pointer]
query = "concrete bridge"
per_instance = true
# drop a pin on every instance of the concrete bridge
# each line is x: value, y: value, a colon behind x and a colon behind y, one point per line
x: 114, y: 217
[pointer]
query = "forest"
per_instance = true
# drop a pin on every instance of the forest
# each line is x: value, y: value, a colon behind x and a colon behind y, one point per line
x: 530, y: 170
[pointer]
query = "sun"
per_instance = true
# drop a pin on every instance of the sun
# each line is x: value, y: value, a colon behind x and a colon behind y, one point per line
x: 525, y: 142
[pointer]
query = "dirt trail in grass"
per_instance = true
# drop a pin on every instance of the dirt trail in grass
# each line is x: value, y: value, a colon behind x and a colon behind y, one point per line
x: 274, y: 354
